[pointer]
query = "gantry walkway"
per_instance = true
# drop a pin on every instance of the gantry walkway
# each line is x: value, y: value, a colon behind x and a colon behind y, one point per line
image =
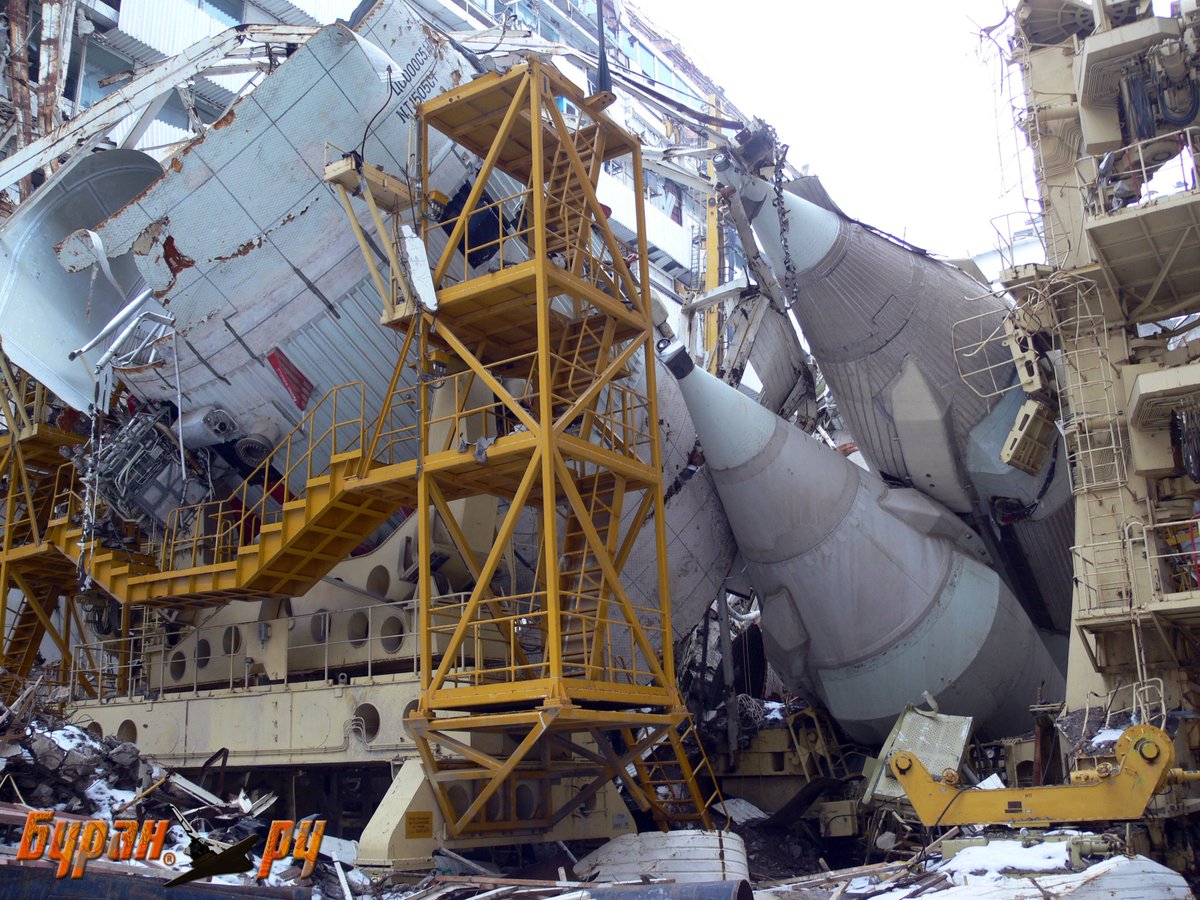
x: 523, y: 366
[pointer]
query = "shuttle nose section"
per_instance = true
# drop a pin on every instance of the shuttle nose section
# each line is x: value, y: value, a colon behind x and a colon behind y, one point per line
x: 733, y: 433
x: 743, y: 440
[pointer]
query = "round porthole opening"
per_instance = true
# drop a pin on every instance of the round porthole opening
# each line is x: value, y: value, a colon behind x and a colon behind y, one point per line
x: 369, y: 716
x: 391, y: 634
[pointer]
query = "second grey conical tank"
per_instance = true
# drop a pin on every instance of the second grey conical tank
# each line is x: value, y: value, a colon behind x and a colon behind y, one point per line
x: 870, y: 596
x: 908, y: 347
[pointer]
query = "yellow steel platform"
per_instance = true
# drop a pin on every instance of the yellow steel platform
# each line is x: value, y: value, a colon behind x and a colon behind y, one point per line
x: 539, y: 325
x: 537, y: 386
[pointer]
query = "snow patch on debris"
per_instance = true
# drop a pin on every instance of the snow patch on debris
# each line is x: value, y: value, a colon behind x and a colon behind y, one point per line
x: 357, y: 879
x: 1008, y: 870
x: 1102, y: 739
x: 107, y: 798
x: 71, y: 737
x: 992, y: 861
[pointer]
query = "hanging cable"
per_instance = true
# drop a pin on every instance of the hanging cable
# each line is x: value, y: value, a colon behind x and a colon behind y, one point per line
x: 503, y: 32
x: 1179, y: 120
x: 183, y: 470
x: 362, y: 147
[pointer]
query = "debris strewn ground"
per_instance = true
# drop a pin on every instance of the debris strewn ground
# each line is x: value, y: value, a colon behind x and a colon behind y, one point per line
x: 48, y: 764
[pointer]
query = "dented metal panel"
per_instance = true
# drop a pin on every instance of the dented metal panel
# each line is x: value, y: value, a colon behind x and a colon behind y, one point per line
x: 247, y: 247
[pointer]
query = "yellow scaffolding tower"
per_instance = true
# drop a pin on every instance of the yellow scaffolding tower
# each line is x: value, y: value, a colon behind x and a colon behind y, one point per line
x: 30, y: 457
x: 538, y: 327
x: 526, y: 394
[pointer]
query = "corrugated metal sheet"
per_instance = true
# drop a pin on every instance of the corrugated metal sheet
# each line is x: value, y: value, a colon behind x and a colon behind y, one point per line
x: 307, y: 12
x: 688, y: 857
x: 234, y: 83
x: 1047, y: 546
x: 166, y: 25
x: 283, y: 11
x: 324, y: 11
x: 161, y: 133
x: 143, y: 54
x: 777, y: 357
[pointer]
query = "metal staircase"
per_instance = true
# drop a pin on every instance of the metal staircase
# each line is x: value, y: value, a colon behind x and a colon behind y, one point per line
x: 239, y: 547
x: 248, y: 545
x: 24, y: 637
x: 571, y: 680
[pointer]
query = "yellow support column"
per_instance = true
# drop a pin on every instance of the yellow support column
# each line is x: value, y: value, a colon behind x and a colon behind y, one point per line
x: 31, y: 461
x: 712, y: 264
x: 554, y: 688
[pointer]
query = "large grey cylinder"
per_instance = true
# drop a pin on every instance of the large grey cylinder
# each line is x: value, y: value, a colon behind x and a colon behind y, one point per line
x: 900, y: 338
x: 46, y: 311
x: 868, y: 598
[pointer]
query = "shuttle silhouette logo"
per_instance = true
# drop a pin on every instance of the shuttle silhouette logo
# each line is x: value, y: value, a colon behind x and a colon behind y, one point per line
x: 72, y: 844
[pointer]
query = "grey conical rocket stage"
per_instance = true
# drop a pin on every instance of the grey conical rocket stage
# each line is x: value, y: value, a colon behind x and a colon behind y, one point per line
x: 896, y: 334
x: 869, y: 308
x: 870, y: 596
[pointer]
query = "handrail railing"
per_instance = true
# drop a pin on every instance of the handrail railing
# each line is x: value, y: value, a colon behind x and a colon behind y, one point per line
x: 614, y: 418
x: 1172, y: 558
x: 1102, y: 577
x: 259, y: 499
x: 211, y: 533
x: 596, y: 636
x: 512, y: 216
x: 1118, y: 179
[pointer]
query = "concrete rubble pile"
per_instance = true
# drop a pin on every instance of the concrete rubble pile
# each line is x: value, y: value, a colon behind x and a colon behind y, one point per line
x: 47, y: 764
x: 66, y: 769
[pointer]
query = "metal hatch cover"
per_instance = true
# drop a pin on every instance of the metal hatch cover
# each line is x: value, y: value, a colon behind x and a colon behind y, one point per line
x: 938, y: 740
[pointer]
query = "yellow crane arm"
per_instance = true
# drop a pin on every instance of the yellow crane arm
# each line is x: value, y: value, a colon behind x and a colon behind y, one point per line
x: 1121, y: 790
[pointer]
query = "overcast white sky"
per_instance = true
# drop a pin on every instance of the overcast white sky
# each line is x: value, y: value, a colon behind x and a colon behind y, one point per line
x: 892, y: 103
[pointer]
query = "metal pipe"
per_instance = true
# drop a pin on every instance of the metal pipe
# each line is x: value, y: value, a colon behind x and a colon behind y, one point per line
x: 703, y: 890
x: 116, y: 322
x: 731, y: 697
x: 160, y: 318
